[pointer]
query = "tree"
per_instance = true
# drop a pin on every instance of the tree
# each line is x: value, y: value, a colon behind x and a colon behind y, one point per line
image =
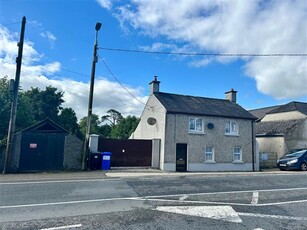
x: 125, y: 127
x: 69, y: 120
x: 5, y: 108
x: 112, y: 116
x: 46, y: 103
x: 95, y: 125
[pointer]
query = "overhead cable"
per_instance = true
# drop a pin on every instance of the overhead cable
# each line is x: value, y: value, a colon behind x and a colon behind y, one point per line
x: 208, y: 54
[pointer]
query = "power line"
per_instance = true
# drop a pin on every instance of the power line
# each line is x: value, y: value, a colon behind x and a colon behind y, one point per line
x: 208, y: 54
x: 113, y: 75
x: 9, y: 24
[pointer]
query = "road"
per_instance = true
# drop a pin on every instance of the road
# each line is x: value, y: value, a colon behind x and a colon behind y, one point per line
x: 252, y: 201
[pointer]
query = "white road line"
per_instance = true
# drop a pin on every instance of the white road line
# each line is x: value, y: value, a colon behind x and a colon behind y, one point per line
x: 63, y: 227
x: 183, y: 197
x: 272, y: 216
x: 156, y: 198
x: 229, y: 192
x: 55, y: 181
x: 255, y: 198
x: 221, y: 203
x: 66, y: 202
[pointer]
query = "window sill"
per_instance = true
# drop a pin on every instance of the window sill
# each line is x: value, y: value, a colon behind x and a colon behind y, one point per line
x: 209, y: 162
x: 238, y: 162
x: 232, y: 134
x: 197, y: 133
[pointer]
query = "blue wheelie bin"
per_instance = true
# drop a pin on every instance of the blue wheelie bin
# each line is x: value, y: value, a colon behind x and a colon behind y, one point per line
x: 106, y: 160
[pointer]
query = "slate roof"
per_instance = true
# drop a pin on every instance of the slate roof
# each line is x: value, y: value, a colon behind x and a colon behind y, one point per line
x: 292, y: 106
x: 183, y: 104
x: 276, y: 128
x: 260, y: 113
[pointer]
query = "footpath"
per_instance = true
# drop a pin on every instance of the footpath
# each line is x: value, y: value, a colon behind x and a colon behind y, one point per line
x: 120, y: 173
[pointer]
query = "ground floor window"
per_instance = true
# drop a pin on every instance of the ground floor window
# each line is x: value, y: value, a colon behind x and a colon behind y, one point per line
x: 209, y: 154
x: 237, y: 154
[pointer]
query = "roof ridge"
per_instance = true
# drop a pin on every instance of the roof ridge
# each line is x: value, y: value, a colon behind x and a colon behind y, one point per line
x: 184, y: 95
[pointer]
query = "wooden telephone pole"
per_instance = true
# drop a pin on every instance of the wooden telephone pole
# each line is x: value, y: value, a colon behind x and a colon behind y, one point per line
x: 11, y: 130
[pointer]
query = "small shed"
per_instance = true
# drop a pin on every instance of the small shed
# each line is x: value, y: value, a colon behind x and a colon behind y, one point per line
x: 39, y: 147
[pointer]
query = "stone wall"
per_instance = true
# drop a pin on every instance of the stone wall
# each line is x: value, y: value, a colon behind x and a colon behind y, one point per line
x: 73, y: 153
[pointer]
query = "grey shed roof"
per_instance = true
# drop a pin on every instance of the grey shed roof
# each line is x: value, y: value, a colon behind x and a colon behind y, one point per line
x: 182, y: 104
x: 260, y: 113
x: 276, y: 128
x: 292, y: 106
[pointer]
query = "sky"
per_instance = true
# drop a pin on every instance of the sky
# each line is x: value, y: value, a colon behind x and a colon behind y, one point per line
x: 60, y: 36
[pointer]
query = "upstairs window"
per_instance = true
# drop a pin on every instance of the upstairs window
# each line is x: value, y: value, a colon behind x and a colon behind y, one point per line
x: 196, y: 125
x: 231, y: 128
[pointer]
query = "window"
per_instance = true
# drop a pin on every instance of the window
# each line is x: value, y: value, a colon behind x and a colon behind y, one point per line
x: 209, y: 154
x: 237, y: 155
x: 231, y: 128
x: 196, y: 125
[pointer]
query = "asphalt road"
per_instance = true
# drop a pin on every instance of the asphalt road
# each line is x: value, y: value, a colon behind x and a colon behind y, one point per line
x: 252, y: 201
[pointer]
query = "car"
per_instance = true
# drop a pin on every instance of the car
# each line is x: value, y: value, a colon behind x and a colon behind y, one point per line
x: 296, y: 160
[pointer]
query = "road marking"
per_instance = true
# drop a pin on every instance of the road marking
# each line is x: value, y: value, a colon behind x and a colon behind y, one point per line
x: 66, y: 202
x: 272, y: 216
x: 155, y: 198
x: 63, y: 227
x: 225, y: 213
x: 183, y: 197
x: 230, y: 192
x: 220, y: 203
x: 255, y: 198
x: 55, y: 181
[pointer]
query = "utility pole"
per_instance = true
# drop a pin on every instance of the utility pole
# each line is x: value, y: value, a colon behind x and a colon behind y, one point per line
x: 90, y: 100
x: 11, y: 130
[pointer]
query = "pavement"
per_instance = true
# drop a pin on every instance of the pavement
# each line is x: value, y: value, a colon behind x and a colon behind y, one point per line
x: 119, y: 173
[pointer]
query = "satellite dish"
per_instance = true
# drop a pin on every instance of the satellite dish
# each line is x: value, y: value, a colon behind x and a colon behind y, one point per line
x: 151, y: 121
x: 210, y: 126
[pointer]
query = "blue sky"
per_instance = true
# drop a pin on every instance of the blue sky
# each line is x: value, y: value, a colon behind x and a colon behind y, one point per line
x: 59, y: 40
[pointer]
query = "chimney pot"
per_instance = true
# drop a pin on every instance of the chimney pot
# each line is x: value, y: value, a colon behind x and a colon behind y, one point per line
x: 231, y: 95
x: 154, y: 85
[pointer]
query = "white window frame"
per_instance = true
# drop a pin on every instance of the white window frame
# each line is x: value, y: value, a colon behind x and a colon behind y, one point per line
x: 232, y: 128
x: 209, y: 152
x: 196, y: 129
x: 235, y: 159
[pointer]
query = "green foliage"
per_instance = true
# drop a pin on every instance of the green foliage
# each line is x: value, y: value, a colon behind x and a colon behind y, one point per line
x: 116, y: 127
x: 125, y: 127
x: 35, y: 104
x: 95, y: 125
x: 45, y: 103
x: 69, y: 120
x: 113, y: 116
x: 5, y: 107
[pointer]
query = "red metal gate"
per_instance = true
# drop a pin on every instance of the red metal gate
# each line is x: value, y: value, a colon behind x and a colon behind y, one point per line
x: 127, y: 152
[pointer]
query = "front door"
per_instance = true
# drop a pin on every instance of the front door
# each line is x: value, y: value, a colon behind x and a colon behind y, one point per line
x: 181, y: 157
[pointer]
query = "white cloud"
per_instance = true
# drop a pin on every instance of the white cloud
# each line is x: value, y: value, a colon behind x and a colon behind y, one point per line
x: 50, y: 36
x: 107, y: 94
x: 255, y: 26
x: 105, y: 4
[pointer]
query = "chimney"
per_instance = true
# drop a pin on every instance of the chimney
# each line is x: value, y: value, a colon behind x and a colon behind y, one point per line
x: 231, y: 95
x: 154, y: 86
